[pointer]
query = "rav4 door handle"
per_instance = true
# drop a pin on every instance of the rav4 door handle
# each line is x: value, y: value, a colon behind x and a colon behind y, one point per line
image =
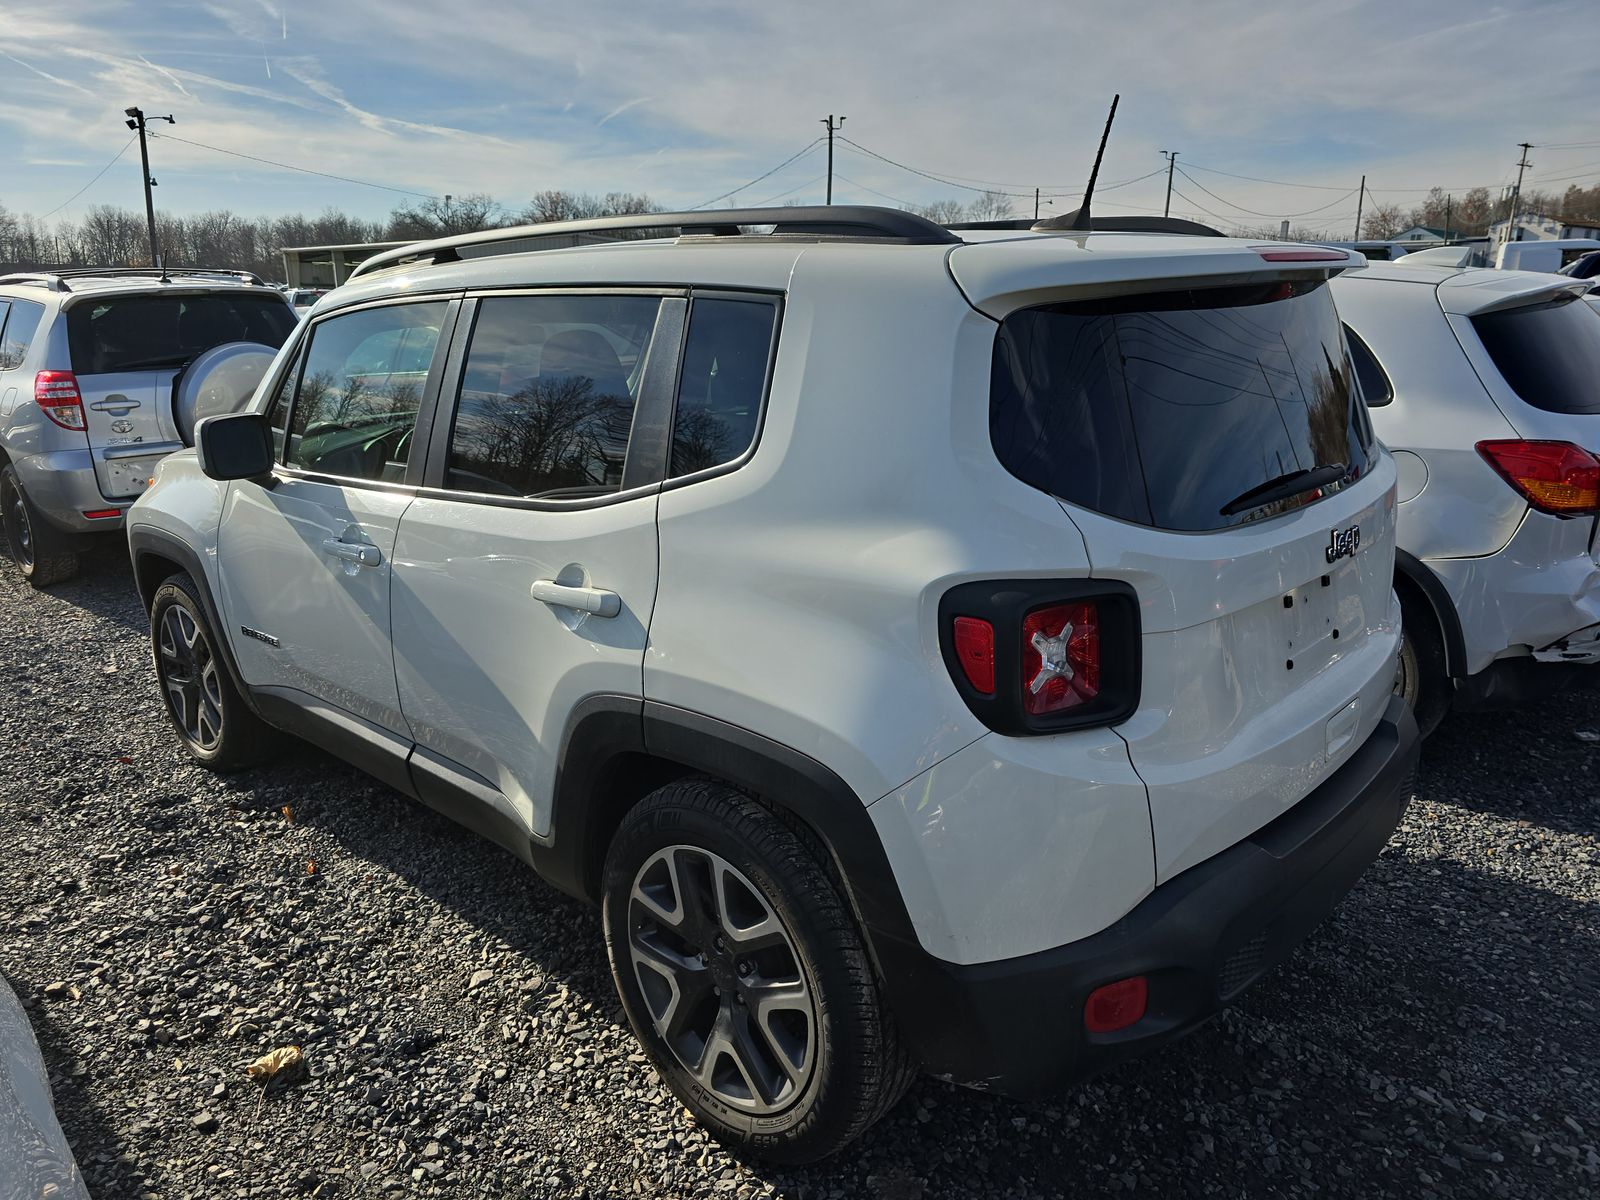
x: 585, y: 599
x: 355, y: 552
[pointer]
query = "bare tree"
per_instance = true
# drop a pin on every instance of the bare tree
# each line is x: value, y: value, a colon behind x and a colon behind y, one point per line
x: 438, y: 217
x: 1383, y: 221
x: 991, y: 206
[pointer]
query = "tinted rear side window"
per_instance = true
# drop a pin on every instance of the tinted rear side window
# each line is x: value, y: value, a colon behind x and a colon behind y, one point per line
x: 1376, y: 389
x: 724, y: 379
x: 17, y: 336
x: 131, y: 333
x: 1548, y: 353
x: 1164, y: 409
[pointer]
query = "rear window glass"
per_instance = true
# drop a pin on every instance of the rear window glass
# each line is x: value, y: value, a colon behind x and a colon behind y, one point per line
x: 1548, y: 353
x: 132, y: 333
x: 1167, y: 409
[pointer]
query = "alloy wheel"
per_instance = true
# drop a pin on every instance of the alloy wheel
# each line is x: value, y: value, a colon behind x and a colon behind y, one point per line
x: 722, y: 979
x: 188, y: 671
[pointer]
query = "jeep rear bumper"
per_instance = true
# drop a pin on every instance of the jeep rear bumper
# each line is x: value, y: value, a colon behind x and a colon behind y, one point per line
x: 1016, y: 1026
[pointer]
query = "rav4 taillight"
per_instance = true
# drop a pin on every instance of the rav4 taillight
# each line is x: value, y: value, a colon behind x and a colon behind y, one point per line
x: 56, y: 394
x: 1554, y: 477
x: 1040, y: 655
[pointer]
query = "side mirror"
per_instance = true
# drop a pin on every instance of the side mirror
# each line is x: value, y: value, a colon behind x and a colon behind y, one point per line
x: 235, y: 446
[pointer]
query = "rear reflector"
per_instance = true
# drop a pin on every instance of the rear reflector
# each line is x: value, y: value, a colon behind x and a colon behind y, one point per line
x: 1060, y: 657
x: 1554, y: 477
x: 56, y: 394
x: 975, y: 652
x: 1303, y: 255
x: 1116, y: 1005
x: 100, y: 514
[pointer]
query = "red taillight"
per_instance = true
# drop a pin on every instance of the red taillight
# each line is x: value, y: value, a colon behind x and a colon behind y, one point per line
x: 100, y: 514
x: 975, y: 652
x: 1116, y: 1005
x: 1060, y: 657
x: 1554, y: 477
x: 56, y: 394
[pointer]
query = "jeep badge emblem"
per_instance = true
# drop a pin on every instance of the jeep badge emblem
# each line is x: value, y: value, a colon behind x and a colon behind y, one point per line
x: 1343, y: 543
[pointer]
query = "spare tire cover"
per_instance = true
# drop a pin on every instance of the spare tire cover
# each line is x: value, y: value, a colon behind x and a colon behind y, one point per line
x: 220, y: 380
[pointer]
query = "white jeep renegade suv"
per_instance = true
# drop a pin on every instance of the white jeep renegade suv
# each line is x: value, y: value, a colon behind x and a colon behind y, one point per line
x: 960, y: 652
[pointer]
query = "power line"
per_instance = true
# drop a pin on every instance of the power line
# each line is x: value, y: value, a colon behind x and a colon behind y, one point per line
x: 91, y: 182
x: 1308, y: 212
x: 291, y: 167
x: 791, y: 191
x: 792, y: 158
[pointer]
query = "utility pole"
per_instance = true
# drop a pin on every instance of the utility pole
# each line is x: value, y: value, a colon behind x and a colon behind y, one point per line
x: 1360, y: 203
x: 1513, y: 234
x: 1035, y: 204
x: 1172, y: 158
x: 1447, y: 201
x: 832, y: 129
x: 136, y: 120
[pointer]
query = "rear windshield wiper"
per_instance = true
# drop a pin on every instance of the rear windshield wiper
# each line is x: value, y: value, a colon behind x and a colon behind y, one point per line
x: 1293, y: 483
x: 160, y: 360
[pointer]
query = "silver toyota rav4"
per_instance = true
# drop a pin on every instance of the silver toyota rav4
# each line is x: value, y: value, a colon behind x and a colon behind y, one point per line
x: 90, y: 362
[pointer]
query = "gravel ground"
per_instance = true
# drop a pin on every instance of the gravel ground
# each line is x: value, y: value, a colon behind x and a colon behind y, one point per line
x: 1437, y: 1037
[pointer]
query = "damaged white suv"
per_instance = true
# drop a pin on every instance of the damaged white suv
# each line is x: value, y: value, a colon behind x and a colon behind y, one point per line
x: 968, y: 652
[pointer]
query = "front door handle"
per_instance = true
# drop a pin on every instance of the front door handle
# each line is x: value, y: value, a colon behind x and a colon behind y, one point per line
x: 585, y: 599
x: 354, y: 552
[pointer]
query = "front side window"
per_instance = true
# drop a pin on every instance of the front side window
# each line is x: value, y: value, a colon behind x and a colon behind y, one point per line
x: 356, y: 406
x: 1168, y: 409
x: 17, y: 336
x: 724, y: 379
x: 548, y: 395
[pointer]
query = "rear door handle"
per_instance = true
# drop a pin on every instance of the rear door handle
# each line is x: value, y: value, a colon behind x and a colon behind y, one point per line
x: 585, y: 599
x: 115, y: 404
x: 354, y: 552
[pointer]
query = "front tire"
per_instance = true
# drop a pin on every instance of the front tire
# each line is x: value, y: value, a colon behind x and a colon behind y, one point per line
x: 212, y: 721
x: 43, y: 553
x: 744, y: 976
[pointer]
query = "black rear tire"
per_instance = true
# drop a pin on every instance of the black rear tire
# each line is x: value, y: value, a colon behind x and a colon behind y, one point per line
x: 43, y: 553
x: 214, y: 724
x: 846, y: 1067
x: 1422, y: 681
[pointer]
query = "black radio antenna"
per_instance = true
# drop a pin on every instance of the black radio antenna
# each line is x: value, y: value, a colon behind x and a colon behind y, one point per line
x: 1079, y: 219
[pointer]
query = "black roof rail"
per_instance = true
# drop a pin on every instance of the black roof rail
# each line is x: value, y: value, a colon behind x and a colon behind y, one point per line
x: 1097, y: 224
x: 817, y: 222
x: 56, y: 280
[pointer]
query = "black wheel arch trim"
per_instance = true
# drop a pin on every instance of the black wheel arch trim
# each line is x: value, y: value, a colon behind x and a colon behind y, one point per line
x: 606, y: 727
x: 1417, y: 572
x: 145, y: 542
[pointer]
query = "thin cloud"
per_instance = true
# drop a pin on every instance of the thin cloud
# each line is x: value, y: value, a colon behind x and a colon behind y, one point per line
x: 66, y: 83
x: 622, y: 108
x: 176, y: 82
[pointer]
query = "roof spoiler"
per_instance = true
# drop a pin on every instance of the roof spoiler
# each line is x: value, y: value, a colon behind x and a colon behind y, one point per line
x: 842, y: 221
x: 1065, y: 224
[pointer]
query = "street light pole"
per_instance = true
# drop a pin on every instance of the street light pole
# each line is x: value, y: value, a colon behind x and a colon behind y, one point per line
x: 136, y: 120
